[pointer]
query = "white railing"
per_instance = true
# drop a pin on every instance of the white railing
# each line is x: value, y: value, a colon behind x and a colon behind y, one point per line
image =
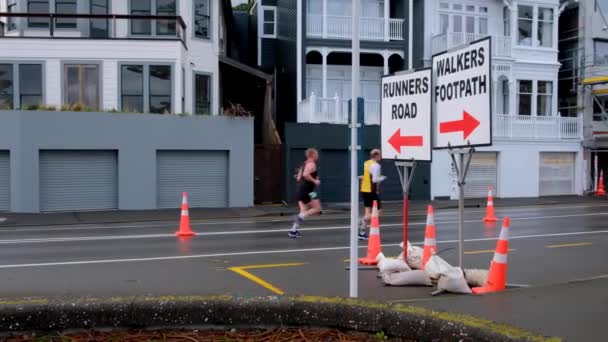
x: 501, y: 45
x: 335, y: 110
x: 525, y: 127
x: 340, y: 27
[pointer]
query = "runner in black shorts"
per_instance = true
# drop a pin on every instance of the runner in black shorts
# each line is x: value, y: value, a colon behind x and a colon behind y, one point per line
x: 308, y: 200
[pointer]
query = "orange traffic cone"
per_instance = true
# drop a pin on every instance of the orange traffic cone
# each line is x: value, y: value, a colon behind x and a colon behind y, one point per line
x: 373, y: 245
x: 490, y: 214
x: 600, y: 185
x: 497, y: 277
x: 184, y: 222
x: 430, y: 242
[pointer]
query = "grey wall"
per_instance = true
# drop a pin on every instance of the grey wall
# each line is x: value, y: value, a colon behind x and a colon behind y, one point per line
x: 136, y: 137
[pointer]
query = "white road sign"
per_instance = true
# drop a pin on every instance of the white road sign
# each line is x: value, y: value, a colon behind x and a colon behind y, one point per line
x: 406, y: 116
x: 462, y: 91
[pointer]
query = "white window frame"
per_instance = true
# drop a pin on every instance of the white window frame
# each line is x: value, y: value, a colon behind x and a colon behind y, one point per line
x: 546, y: 21
x: 261, y: 21
x: 535, y: 97
x: 452, y: 11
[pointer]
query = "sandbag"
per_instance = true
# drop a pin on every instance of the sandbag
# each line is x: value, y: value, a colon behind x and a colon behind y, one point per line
x: 475, y: 277
x: 386, y: 265
x: 420, y: 278
x: 453, y: 281
x: 414, y: 256
x: 436, y: 266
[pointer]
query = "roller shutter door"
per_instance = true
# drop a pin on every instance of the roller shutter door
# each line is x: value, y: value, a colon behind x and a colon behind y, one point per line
x: 78, y: 180
x: 556, y: 173
x: 202, y: 174
x: 482, y: 175
x: 5, y: 183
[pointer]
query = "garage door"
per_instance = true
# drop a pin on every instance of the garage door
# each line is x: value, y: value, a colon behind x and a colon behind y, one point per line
x: 5, y: 183
x: 78, y: 180
x: 556, y: 173
x: 203, y: 174
x: 482, y: 175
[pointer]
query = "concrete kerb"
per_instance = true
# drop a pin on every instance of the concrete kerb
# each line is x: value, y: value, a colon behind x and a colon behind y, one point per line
x: 221, y: 311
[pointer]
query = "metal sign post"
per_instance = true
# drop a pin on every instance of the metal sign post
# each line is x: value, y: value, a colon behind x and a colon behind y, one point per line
x: 463, y: 110
x: 354, y: 178
x: 461, y: 164
x: 406, y: 174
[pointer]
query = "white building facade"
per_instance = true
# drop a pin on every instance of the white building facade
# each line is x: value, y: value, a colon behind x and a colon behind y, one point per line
x: 156, y: 56
x: 536, y: 151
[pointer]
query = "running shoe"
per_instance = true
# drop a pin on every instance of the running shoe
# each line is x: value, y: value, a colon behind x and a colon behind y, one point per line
x: 363, y: 236
x: 294, y: 234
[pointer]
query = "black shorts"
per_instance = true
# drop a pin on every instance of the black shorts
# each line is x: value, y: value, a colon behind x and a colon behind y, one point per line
x: 369, y: 198
x: 306, y: 195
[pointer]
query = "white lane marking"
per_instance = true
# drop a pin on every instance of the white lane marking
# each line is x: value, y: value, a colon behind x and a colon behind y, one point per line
x: 284, y: 251
x: 256, y: 231
x: 144, y: 225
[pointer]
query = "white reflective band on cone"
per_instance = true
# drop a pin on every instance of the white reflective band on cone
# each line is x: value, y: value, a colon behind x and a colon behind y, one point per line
x: 430, y: 242
x: 490, y: 203
x: 430, y: 220
x: 500, y: 258
x: 504, y: 234
x: 184, y: 212
x: 374, y: 231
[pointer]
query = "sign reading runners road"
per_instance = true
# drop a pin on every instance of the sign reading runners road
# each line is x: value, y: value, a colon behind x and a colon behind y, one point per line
x: 406, y: 116
x: 462, y: 91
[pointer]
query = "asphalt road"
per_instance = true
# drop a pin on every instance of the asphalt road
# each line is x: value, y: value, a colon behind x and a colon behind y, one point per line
x: 551, y: 245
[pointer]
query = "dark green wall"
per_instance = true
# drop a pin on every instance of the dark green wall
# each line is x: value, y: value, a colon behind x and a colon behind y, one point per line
x: 299, y: 136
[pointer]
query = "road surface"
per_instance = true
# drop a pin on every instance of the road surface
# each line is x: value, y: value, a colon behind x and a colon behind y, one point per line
x: 551, y: 245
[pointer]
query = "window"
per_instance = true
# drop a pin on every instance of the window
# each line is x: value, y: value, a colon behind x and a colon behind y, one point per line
x: 525, y: 25
x: 202, y: 94
x: 314, y: 7
x: 38, y: 6
x: 146, y: 88
x: 99, y: 27
x: 202, y: 19
x: 457, y: 23
x: 269, y: 22
x: 141, y: 26
x: 81, y: 85
x: 443, y: 5
x: 483, y: 25
x: 30, y: 85
x: 132, y: 88
x: 160, y: 89
x: 544, y: 98
x: 444, y: 23
x: 65, y: 7
x: 505, y: 97
x: 524, y: 97
x: 6, y: 86
x: 506, y: 13
x: 166, y: 27
x: 601, y: 52
x: 545, y: 27
x: 11, y: 8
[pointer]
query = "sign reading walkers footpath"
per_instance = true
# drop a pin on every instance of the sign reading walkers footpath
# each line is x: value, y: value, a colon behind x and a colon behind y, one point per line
x: 406, y: 116
x: 462, y: 91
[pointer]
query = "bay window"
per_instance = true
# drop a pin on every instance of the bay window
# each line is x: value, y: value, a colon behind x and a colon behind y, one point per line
x: 535, y: 97
x: 40, y: 7
x: 168, y: 8
x: 461, y: 18
x: 535, y: 26
x: 152, y: 8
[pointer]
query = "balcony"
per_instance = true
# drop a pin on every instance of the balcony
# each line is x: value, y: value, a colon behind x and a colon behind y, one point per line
x: 537, y: 128
x: 93, y: 26
x: 335, y: 111
x: 340, y: 27
x: 501, y: 45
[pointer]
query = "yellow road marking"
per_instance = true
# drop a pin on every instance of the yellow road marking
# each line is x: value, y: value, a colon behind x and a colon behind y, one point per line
x: 570, y: 245
x: 242, y: 271
x: 484, y: 251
